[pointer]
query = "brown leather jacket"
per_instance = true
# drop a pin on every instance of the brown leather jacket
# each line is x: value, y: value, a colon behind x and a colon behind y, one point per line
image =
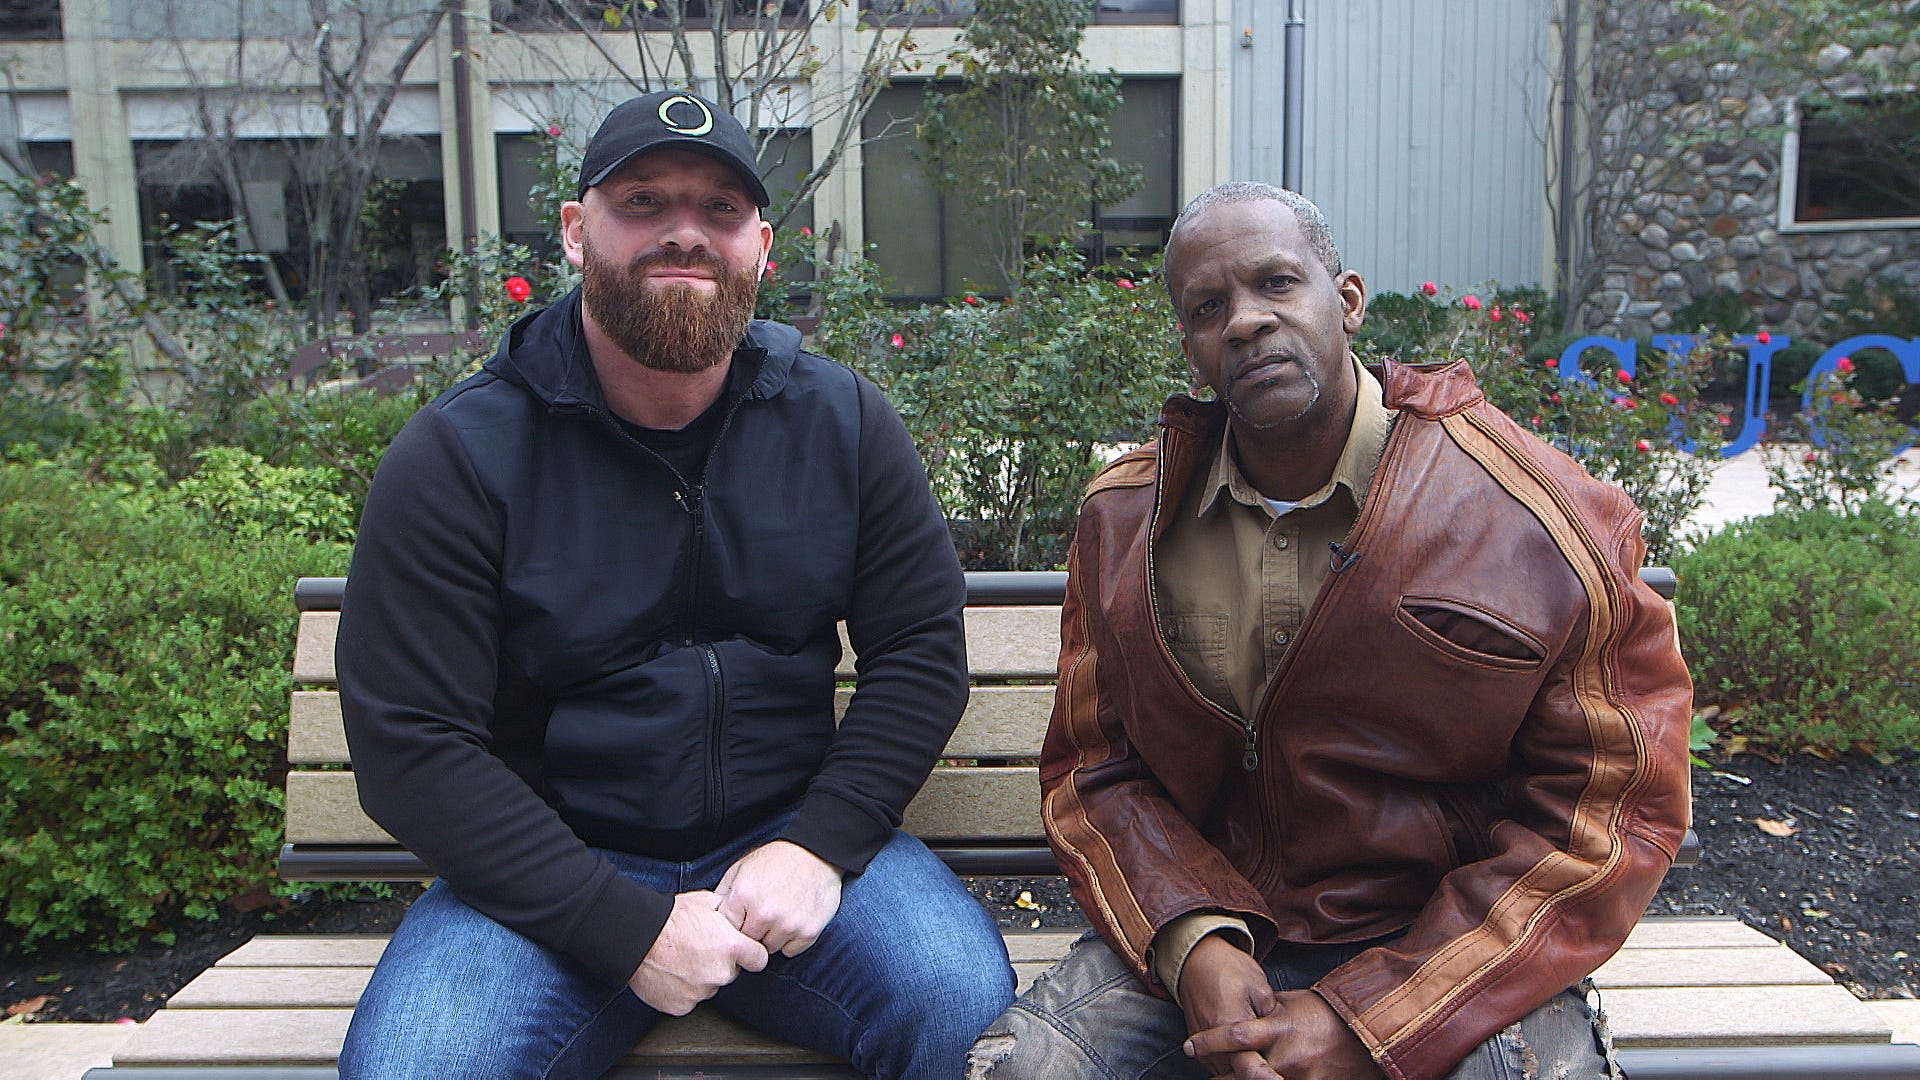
x: 1479, y: 736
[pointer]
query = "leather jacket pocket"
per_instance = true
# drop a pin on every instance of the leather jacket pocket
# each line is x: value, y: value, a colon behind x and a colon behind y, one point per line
x: 1470, y: 633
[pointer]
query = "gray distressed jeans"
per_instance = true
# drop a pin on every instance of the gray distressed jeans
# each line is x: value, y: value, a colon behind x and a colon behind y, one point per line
x: 1089, y: 1017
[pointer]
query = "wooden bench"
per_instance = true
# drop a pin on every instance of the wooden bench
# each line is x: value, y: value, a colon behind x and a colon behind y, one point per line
x: 1687, y: 997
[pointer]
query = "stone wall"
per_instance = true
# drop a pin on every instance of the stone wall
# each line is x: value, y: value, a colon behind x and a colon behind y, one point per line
x: 1705, y: 217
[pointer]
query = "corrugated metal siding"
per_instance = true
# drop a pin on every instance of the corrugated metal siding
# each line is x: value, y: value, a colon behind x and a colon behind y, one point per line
x: 1424, y: 121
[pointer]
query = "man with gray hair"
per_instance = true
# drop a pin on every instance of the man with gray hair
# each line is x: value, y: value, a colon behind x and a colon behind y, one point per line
x: 1369, y: 744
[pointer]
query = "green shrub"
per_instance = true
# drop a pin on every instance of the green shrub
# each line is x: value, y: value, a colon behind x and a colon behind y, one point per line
x: 1801, y: 626
x: 1012, y: 403
x: 144, y: 655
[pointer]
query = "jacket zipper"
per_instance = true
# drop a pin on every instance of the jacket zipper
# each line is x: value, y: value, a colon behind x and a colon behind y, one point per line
x: 716, y: 783
x: 1249, y: 725
x: 1250, y: 754
x: 691, y: 498
x: 1361, y: 525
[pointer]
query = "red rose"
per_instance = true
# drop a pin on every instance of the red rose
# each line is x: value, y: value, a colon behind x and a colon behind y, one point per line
x: 1470, y: 302
x: 518, y: 289
x: 1845, y: 363
x: 1669, y: 400
x: 1429, y: 288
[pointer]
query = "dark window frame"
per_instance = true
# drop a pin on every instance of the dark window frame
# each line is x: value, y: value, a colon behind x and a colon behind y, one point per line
x: 537, y: 17
x: 31, y: 20
x: 1096, y: 17
x: 1811, y: 169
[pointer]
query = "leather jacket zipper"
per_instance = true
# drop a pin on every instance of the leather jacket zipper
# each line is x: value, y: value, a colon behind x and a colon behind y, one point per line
x: 1318, y: 605
x: 1250, y: 754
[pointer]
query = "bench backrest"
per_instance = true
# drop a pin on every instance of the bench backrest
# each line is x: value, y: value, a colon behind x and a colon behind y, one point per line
x: 979, y: 809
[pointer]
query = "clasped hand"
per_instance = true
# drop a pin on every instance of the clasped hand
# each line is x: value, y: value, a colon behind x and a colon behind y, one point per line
x: 777, y: 898
x: 1244, y: 1030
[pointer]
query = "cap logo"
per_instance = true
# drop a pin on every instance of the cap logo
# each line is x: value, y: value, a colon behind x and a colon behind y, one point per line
x: 696, y: 129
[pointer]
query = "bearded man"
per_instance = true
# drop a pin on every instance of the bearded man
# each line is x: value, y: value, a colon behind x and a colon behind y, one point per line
x: 587, y: 659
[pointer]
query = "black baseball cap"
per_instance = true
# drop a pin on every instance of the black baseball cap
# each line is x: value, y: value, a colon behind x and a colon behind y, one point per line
x: 669, y: 118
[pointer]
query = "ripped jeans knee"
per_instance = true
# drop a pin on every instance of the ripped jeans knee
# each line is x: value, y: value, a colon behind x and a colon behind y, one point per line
x: 1088, y: 1017
x: 1565, y: 1039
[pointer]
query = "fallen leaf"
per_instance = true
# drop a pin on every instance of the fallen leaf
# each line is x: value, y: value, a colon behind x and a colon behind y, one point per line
x: 1775, y: 828
x: 1025, y: 902
x: 28, y: 1007
x: 1736, y: 745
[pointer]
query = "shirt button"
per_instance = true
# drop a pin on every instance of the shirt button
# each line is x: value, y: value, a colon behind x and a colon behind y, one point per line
x: 1281, y: 541
x: 1281, y: 637
x: 1171, y: 633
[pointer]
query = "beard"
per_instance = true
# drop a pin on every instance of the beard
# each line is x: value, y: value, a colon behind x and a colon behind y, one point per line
x: 676, y: 327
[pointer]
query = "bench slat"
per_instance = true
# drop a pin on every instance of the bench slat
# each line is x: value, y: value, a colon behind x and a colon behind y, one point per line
x: 357, y: 950
x: 243, y: 1011
x: 1726, y: 966
x: 1000, y: 722
x: 1740, y: 1016
x: 1695, y: 932
x: 313, y: 648
x: 341, y: 987
x: 958, y: 803
x: 1003, y: 643
x: 211, y: 1038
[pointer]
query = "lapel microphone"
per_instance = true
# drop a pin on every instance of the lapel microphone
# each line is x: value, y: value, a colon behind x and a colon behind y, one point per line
x: 1341, y: 558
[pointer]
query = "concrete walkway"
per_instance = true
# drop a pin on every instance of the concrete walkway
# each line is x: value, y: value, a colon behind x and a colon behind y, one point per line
x: 1738, y: 490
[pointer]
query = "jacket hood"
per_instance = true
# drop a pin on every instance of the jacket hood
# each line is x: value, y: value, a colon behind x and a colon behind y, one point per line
x: 545, y: 352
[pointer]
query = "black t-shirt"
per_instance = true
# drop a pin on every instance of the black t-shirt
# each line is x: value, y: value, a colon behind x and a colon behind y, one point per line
x: 685, y: 449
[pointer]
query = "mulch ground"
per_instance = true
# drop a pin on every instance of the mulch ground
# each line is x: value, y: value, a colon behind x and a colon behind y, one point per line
x: 1824, y: 855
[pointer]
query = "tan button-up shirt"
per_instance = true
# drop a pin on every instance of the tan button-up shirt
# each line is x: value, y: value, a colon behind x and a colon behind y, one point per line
x: 1234, y: 577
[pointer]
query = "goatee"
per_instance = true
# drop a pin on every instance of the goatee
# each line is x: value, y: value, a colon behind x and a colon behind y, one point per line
x: 673, y: 327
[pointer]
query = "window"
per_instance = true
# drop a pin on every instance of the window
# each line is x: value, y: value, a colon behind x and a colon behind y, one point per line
x: 30, y: 20
x: 518, y: 158
x: 405, y: 212
x: 1853, y: 164
x: 927, y: 247
x: 565, y: 15
x: 955, y: 12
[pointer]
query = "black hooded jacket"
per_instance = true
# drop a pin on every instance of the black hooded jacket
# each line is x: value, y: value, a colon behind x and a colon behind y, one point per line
x: 552, y: 642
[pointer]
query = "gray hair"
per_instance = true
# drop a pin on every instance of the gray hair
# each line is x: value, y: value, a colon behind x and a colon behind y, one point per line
x: 1313, y: 223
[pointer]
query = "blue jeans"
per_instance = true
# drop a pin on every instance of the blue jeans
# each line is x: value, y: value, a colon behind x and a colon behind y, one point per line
x: 901, y: 981
x: 1090, y: 1017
